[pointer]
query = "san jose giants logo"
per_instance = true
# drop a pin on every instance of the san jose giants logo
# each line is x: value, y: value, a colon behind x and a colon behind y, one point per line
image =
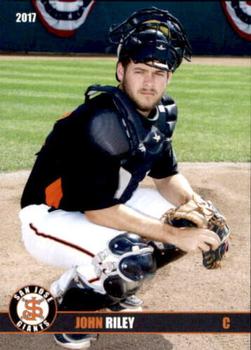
x: 32, y: 309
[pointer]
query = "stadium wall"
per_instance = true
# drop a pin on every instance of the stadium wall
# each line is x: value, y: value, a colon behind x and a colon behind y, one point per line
x: 209, y: 31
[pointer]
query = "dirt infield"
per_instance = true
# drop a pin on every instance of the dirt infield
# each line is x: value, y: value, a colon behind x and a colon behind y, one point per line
x: 181, y: 286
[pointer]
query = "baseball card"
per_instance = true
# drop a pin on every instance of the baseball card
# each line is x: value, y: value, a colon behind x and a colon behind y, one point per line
x: 125, y: 174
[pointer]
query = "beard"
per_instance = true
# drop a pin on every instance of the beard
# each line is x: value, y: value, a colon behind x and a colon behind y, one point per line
x: 144, y: 99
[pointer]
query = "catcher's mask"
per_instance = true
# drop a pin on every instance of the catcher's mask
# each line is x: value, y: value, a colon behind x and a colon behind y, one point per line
x: 151, y: 36
x: 122, y: 267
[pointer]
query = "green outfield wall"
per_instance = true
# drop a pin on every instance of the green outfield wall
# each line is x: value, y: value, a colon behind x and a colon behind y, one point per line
x: 207, y: 26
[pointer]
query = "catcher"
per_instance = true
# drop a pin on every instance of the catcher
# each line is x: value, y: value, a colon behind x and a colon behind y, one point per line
x: 82, y: 208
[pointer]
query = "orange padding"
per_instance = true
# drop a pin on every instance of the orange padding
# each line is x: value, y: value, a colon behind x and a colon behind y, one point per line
x: 54, y: 193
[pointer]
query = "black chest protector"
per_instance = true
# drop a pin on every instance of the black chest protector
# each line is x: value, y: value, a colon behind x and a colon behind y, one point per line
x: 142, y: 141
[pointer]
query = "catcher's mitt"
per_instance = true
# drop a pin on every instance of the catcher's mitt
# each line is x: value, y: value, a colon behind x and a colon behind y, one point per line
x: 202, y: 214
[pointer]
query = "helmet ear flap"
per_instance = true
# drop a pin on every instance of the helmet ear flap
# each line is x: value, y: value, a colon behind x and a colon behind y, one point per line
x: 179, y: 55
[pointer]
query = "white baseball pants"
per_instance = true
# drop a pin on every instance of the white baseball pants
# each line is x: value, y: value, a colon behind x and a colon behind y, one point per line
x: 68, y: 239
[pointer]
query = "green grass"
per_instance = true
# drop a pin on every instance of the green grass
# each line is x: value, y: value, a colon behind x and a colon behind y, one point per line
x: 213, y: 102
x: 214, y: 108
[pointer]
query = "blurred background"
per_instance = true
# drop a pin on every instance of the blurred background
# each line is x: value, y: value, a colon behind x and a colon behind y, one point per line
x: 69, y: 26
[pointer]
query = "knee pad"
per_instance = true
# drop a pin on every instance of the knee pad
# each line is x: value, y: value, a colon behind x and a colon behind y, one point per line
x: 123, y: 266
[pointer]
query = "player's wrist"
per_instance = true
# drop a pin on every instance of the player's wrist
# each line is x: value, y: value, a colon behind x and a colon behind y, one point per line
x: 170, y: 234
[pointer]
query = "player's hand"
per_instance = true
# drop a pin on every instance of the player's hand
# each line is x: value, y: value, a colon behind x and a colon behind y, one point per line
x: 194, y: 239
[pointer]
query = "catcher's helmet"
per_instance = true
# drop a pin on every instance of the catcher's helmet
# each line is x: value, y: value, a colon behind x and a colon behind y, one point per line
x: 152, y: 36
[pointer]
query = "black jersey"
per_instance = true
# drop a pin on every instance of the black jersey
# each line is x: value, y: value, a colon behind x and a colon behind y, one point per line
x: 96, y: 157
